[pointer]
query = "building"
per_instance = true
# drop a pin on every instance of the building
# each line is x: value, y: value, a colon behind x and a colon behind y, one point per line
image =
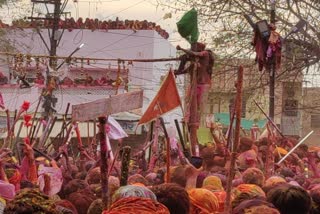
x: 310, y: 109
x: 111, y: 44
x: 288, y: 91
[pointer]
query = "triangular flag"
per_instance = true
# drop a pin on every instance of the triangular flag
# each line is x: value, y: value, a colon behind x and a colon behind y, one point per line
x: 188, y: 26
x: 166, y: 100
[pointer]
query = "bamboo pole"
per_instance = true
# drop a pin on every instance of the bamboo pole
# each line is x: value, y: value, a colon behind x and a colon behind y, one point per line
x: 168, y: 162
x: 15, y: 146
x: 34, y: 117
x: 125, y: 160
x: 104, y: 160
x: 93, y: 59
x: 295, y: 147
x: 150, y: 139
x: 238, y: 109
x: 194, y: 120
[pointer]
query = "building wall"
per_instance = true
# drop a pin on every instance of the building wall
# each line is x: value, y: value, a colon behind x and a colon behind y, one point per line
x: 112, y: 44
x: 311, y: 114
x: 256, y: 87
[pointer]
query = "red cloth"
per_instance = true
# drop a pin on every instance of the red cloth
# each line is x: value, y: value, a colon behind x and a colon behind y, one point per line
x: 166, y: 100
x: 134, y: 205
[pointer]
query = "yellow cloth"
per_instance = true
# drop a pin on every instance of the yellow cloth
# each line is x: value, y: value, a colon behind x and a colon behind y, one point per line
x: 280, y: 150
x: 203, y: 201
x: 214, y: 182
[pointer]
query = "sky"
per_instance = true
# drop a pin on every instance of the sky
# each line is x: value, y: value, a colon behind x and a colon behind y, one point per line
x: 104, y: 10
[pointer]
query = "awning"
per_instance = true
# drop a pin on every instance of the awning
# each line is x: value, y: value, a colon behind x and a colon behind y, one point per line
x: 224, y: 119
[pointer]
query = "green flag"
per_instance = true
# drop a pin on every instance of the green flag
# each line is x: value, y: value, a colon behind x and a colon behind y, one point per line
x: 188, y: 26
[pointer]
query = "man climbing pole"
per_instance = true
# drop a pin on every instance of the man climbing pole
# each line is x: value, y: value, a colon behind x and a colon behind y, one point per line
x: 200, y: 71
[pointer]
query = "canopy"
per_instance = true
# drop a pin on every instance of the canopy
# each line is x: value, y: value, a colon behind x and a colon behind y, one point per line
x: 224, y: 118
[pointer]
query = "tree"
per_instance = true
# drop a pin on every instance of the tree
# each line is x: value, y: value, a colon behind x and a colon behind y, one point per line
x: 231, y: 35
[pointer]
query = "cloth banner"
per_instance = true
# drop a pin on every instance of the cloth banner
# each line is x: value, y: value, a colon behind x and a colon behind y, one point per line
x: 56, y: 179
x: 188, y: 26
x: 115, y: 131
x: 166, y: 100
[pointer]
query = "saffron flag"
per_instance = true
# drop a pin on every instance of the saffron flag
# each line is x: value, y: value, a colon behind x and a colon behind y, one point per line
x: 166, y: 100
x: 1, y: 102
x: 188, y: 26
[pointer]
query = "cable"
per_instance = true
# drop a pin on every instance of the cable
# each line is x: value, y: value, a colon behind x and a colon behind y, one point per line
x: 125, y: 9
x: 109, y: 45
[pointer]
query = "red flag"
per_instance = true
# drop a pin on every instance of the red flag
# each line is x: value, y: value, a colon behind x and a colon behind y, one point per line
x: 166, y: 100
x: 1, y: 102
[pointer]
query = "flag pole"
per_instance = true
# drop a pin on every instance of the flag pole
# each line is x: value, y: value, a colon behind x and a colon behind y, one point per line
x: 104, y: 160
x: 296, y: 146
x: 238, y: 109
x: 168, y: 162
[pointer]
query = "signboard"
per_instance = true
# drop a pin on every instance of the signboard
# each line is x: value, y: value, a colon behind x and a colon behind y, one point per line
x: 291, y: 125
x: 107, y: 106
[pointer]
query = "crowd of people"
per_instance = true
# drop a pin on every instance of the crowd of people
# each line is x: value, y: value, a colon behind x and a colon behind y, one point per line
x: 68, y: 185
x: 90, y: 24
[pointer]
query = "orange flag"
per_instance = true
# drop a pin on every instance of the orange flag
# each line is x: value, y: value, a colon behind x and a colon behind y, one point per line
x: 166, y: 100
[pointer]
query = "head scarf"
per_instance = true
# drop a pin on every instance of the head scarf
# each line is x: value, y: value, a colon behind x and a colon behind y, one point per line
x: 250, y: 189
x: 151, y: 178
x: 255, y: 206
x: 134, y: 205
x: 253, y: 176
x: 82, y: 200
x: 137, y: 178
x: 247, y: 159
x: 274, y: 180
x: 14, y: 177
x: 65, y: 207
x: 221, y: 195
x: 203, y: 200
x: 7, y: 190
x: 133, y: 191
x: 96, y: 207
x: 31, y: 200
x: 214, y: 182
x: 93, y: 176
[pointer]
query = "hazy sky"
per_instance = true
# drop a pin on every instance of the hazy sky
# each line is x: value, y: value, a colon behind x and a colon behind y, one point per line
x: 124, y: 9
x: 103, y: 9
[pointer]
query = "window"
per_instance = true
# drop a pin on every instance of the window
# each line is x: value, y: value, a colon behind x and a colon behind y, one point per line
x: 244, y: 106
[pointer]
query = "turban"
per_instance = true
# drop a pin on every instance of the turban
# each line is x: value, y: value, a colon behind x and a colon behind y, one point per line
x: 250, y: 189
x: 133, y: 191
x: 203, y: 200
x: 214, y: 182
x: 134, y: 205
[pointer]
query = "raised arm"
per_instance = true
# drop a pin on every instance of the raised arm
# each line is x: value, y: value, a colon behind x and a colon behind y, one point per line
x: 191, y: 53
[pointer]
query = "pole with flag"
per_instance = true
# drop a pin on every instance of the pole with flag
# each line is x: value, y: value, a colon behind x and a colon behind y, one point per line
x: 165, y: 100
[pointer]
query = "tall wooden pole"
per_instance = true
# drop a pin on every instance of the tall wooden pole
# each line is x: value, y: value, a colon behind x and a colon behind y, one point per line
x: 194, y: 120
x: 104, y: 159
x: 125, y: 161
x: 238, y: 109
x: 168, y: 161
x: 272, y: 67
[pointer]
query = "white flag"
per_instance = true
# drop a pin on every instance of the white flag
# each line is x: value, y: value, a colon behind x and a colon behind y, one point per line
x: 116, y: 132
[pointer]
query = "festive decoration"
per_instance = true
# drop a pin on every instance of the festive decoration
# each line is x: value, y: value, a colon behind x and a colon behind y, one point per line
x: 27, y: 119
